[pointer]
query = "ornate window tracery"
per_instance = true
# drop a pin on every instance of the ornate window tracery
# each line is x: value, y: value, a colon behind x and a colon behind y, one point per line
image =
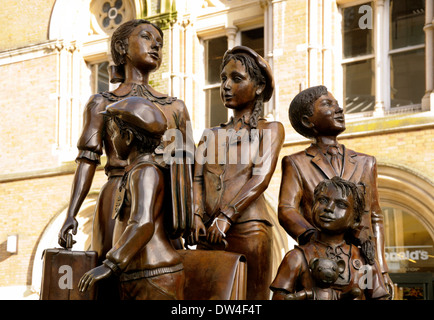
x: 107, y: 15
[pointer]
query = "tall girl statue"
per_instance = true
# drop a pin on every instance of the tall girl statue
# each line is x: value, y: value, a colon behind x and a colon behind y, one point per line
x: 136, y: 48
x: 233, y: 167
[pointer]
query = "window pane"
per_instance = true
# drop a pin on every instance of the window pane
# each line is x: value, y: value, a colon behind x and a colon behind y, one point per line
x: 216, y: 48
x: 359, y: 86
x: 406, y: 23
x: 408, y: 244
x: 217, y: 112
x: 254, y: 39
x: 103, y: 77
x: 356, y: 41
x: 407, y: 78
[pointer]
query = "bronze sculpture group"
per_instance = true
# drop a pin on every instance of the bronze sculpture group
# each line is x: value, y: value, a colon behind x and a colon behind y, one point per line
x: 151, y: 207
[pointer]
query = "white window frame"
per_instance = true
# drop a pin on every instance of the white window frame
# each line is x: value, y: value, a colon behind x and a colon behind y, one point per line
x: 382, y: 55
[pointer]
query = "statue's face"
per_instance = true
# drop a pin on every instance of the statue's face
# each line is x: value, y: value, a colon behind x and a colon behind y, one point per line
x: 328, y: 117
x: 333, y: 213
x: 145, y: 47
x: 237, y: 89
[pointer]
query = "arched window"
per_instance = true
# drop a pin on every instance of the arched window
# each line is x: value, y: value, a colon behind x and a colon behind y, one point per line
x: 408, y: 207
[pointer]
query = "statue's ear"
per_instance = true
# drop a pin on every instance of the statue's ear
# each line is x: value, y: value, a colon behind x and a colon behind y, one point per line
x: 306, y: 122
x: 129, y: 136
x: 260, y: 89
x: 313, y: 262
x: 341, y: 266
x: 120, y: 47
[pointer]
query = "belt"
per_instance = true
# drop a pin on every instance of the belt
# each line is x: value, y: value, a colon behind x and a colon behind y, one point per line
x: 147, y: 273
x: 115, y: 172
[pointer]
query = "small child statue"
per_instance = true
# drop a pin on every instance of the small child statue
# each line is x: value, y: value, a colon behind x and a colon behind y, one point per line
x: 337, y: 210
x: 142, y: 256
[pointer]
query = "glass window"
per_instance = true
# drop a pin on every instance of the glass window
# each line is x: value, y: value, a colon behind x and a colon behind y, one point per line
x: 408, y: 245
x: 404, y: 67
x: 358, y: 62
x: 214, y: 51
x: 254, y: 39
x: 359, y: 86
x: 100, y: 77
x: 356, y: 41
x: 407, y: 18
x: 407, y: 53
x: 217, y: 112
x: 215, y: 48
x: 407, y: 77
x: 110, y: 14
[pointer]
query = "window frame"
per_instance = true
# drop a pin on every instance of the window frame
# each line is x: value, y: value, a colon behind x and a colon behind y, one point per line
x: 384, y: 54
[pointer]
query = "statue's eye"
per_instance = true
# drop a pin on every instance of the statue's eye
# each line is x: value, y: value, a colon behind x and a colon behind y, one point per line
x: 323, y: 200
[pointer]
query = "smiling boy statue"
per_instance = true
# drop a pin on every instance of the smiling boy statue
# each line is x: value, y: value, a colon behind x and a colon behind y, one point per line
x: 337, y: 209
x: 315, y: 114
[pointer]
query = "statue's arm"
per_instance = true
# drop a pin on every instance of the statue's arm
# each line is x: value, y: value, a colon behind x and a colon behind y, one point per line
x: 288, y: 275
x: 290, y: 195
x: 198, y: 195
x: 80, y: 188
x: 261, y: 176
x: 377, y: 220
x: 90, y: 147
x: 146, y: 186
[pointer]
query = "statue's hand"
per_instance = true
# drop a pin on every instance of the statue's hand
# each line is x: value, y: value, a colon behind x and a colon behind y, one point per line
x: 92, y: 276
x: 217, y: 231
x: 389, y: 284
x: 291, y: 296
x: 198, y: 231
x: 69, y: 224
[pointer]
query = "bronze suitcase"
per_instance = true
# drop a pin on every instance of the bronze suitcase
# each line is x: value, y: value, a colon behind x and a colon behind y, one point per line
x: 214, y: 275
x: 61, y: 273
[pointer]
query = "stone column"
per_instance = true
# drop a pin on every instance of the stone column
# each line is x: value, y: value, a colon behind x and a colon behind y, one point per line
x: 231, y: 33
x: 327, y: 57
x: 428, y: 98
x: 313, y: 46
x: 380, y: 59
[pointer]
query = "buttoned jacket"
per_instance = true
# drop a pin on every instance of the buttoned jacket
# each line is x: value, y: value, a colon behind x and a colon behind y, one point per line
x: 233, y: 169
x: 301, y: 173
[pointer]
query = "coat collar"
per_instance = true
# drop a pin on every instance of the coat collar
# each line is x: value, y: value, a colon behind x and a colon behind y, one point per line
x: 319, y: 160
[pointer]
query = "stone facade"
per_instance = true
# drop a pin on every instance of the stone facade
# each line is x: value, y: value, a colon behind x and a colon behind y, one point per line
x: 46, y: 82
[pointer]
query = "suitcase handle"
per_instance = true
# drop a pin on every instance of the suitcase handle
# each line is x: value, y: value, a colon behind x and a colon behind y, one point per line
x: 69, y: 241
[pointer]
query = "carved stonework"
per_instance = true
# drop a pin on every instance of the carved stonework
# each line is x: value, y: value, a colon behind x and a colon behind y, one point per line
x: 107, y: 15
x: 164, y: 20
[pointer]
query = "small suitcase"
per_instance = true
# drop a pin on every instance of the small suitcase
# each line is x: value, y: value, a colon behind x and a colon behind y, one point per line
x: 62, y: 270
x: 214, y: 275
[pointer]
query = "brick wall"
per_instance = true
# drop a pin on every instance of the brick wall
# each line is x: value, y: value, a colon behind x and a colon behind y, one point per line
x: 27, y: 132
x: 412, y: 149
x: 27, y: 22
x: 27, y: 208
x: 290, y: 30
